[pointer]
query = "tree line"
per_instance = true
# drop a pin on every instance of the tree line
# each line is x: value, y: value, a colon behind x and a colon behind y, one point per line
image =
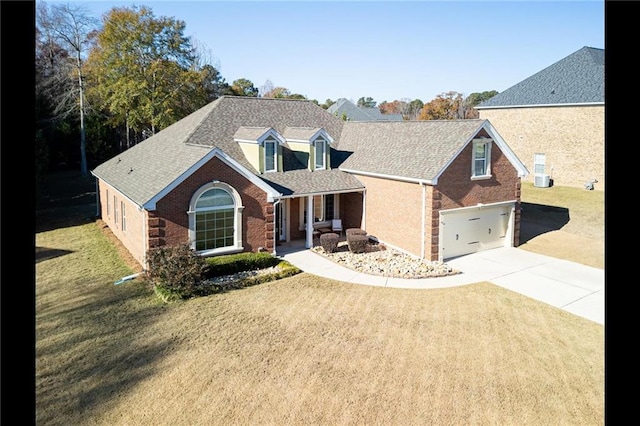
x: 104, y: 85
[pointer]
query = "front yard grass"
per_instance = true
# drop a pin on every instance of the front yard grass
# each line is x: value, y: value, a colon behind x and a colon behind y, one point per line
x: 301, y: 350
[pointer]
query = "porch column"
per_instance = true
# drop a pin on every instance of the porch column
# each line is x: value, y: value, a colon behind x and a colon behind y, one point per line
x: 309, y: 239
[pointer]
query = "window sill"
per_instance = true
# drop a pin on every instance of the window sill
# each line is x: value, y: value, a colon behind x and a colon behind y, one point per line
x: 484, y: 177
x: 219, y: 251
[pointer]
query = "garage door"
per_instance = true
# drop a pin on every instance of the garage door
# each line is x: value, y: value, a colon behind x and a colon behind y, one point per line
x: 469, y: 230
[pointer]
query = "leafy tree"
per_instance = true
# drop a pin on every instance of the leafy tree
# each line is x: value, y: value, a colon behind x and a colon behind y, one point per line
x: 277, y: 92
x: 144, y: 70
x: 473, y: 100
x: 296, y: 96
x: 327, y: 103
x: 244, y: 87
x: 476, y: 98
x: 66, y: 32
x: 415, y: 106
x: 367, y: 102
x: 446, y: 106
x: 213, y: 84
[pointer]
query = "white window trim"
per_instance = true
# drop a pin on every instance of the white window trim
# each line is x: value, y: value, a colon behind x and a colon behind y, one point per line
x: 124, y: 217
x: 322, y: 141
x: 275, y: 155
x: 324, y: 223
x: 476, y: 142
x: 115, y: 210
x: 237, y: 219
x: 543, y: 163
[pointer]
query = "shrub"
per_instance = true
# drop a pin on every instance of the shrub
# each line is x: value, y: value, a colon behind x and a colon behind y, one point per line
x: 329, y: 241
x: 355, y: 231
x: 230, y: 264
x: 357, y: 243
x: 285, y: 269
x: 175, y: 269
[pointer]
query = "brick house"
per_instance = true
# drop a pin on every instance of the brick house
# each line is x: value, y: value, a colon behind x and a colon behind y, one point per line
x: 554, y: 120
x: 244, y: 174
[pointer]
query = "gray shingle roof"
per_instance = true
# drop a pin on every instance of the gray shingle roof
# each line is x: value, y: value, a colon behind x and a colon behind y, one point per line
x: 145, y: 169
x: 355, y: 113
x: 166, y: 156
x: 410, y: 149
x: 250, y: 133
x: 576, y: 79
x: 300, y: 133
x: 303, y: 182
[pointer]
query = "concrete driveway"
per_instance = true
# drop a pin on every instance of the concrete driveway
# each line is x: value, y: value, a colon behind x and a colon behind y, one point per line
x: 570, y: 286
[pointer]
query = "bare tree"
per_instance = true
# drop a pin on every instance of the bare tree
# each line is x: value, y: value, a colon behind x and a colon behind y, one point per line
x: 71, y: 27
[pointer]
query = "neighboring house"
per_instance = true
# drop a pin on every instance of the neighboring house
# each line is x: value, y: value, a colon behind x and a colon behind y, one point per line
x: 352, y: 112
x: 554, y: 120
x: 244, y: 174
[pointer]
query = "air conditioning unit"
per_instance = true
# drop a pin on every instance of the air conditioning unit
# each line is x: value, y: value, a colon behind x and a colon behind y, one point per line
x: 541, y: 181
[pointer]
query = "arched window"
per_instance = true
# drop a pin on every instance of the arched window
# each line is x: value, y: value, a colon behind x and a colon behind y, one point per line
x: 215, y: 219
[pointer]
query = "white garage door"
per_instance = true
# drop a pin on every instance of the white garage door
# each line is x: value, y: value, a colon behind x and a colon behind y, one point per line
x: 469, y: 230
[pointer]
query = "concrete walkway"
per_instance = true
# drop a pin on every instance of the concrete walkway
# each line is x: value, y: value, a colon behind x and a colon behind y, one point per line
x: 570, y: 286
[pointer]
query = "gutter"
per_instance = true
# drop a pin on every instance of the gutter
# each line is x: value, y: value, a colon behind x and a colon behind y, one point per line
x: 540, y: 105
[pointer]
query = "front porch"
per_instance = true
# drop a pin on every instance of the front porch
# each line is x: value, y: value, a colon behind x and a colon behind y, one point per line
x: 293, y: 232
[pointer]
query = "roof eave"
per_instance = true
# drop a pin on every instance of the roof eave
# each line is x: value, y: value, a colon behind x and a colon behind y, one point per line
x: 541, y: 105
x: 215, y: 152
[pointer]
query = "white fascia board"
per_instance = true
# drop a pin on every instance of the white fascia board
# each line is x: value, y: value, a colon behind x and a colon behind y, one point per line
x: 272, y: 194
x: 454, y: 156
x: 495, y: 136
x: 391, y: 177
x: 322, y: 132
x: 541, y: 105
x: 513, y: 158
x: 255, y: 142
x: 271, y: 132
x: 307, y: 194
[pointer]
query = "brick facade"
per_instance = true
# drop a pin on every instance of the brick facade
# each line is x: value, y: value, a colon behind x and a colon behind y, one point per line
x: 132, y: 236
x: 394, y: 212
x: 394, y: 208
x: 169, y: 223
x: 257, y: 215
x: 571, y: 137
x: 455, y: 189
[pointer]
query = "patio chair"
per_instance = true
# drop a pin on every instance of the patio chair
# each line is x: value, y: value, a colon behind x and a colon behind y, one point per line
x: 336, y: 226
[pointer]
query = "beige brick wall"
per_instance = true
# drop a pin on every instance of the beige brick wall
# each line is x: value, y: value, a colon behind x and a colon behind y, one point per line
x: 394, y: 208
x: 571, y: 137
x: 394, y: 212
x: 133, y: 236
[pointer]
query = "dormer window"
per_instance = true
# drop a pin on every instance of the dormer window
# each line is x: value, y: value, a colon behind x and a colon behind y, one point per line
x: 260, y: 146
x: 270, y: 155
x: 320, y: 153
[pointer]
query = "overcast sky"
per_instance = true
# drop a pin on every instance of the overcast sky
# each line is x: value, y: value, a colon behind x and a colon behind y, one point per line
x: 385, y: 50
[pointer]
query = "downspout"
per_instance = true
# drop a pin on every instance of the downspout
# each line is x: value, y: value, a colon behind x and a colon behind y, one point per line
x: 364, y: 209
x: 145, y: 237
x: 275, y: 227
x: 424, y: 211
